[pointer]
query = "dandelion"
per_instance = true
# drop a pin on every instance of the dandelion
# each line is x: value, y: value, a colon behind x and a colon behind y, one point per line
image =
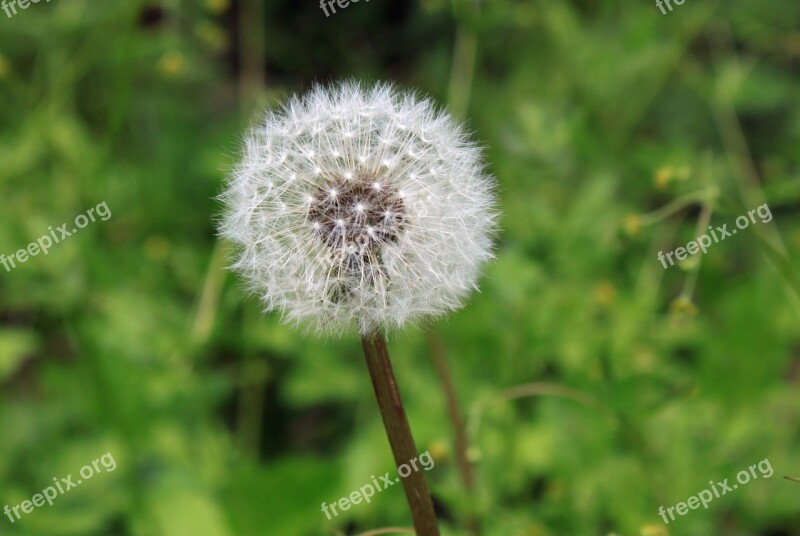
x: 367, y: 209
x: 363, y: 207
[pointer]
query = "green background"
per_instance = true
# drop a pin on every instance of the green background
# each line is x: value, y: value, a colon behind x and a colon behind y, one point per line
x: 612, y: 129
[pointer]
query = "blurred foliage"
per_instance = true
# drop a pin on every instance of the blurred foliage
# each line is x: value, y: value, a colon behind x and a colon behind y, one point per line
x: 128, y: 337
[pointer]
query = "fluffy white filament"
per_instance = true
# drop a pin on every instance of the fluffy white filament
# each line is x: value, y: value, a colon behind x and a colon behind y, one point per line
x: 363, y: 206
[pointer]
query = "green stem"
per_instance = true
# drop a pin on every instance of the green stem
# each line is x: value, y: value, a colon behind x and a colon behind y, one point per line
x: 461, y: 441
x: 399, y: 432
x: 462, y: 70
x: 252, y: 75
x: 706, y: 195
x: 702, y: 225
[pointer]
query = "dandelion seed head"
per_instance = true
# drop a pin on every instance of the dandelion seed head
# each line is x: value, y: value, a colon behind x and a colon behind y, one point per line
x: 369, y: 221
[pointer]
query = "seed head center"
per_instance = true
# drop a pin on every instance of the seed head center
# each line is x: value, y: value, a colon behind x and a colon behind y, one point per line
x: 359, y: 218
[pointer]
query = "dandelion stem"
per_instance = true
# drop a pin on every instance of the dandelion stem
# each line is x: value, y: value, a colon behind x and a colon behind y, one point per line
x: 399, y: 432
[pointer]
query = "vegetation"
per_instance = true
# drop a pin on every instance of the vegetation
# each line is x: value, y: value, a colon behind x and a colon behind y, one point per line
x: 596, y: 385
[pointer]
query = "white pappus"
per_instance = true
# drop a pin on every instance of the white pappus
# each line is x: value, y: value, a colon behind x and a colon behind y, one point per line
x: 360, y: 206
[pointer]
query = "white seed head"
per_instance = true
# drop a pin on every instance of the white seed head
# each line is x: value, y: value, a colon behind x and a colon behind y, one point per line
x: 360, y: 206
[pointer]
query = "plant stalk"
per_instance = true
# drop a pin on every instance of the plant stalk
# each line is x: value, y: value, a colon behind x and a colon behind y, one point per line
x: 461, y: 441
x: 398, y: 431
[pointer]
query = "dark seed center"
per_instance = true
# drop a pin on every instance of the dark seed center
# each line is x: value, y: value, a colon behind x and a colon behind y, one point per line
x: 356, y: 217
